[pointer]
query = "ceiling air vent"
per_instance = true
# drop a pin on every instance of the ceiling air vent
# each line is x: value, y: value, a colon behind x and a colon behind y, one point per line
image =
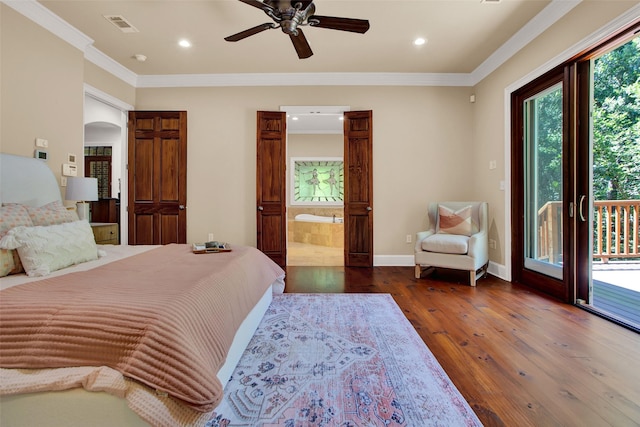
x: 120, y: 22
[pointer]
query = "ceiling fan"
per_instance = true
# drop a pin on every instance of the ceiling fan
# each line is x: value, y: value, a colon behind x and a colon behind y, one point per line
x: 290, y: 16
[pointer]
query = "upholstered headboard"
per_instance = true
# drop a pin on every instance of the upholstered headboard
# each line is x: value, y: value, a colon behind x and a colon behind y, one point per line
x: 27, y: 181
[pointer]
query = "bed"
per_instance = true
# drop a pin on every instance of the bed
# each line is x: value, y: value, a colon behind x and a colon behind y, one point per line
x: 135, y: 335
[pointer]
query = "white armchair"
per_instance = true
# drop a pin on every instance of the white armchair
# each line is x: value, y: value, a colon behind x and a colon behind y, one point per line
x: 457, y: 239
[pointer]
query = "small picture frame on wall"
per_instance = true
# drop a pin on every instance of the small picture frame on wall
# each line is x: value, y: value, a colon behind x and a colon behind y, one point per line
x: 71, y: 158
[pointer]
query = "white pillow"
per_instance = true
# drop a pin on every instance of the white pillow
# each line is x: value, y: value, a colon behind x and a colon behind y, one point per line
x: 44, y: 249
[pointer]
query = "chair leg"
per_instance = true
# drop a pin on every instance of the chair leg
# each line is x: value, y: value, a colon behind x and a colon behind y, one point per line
x: 472, y: 277
x: 418, y: 271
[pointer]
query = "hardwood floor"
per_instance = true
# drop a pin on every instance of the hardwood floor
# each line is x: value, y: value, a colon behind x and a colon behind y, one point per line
x: 519, y: 358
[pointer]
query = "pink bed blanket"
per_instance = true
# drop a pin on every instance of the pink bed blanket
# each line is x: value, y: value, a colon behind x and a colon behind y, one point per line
x: 166, y: 318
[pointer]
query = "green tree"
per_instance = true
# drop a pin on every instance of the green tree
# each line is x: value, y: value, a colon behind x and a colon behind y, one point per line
x: 616, y: 123
x: 549, y: 139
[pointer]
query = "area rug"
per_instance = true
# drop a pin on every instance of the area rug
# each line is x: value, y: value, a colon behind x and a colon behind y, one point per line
x: 342, y: 360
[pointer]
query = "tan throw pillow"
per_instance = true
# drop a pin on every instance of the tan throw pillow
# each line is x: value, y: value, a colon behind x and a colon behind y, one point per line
x: 455, y: 222
x: 11, y: 216
x: 44, y: 249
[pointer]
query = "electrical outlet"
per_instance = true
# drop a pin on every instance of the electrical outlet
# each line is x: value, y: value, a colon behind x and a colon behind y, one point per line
x: 63, y: 181
x: 492, y: 243
x: 42, y: 143
x: 408, y: 238
x: 210, y: 239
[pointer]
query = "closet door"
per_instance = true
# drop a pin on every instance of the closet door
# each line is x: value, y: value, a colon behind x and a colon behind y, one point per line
x: 157, y: 177
x: 271, y: 185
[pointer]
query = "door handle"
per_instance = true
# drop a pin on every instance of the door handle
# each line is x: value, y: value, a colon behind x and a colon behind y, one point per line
x: 260, y: 208
x: 369, y: 208
x: 580, y: 208
x: 181, y: 207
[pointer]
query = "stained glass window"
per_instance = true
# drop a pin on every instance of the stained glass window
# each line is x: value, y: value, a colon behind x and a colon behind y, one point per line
x: 317, y: 181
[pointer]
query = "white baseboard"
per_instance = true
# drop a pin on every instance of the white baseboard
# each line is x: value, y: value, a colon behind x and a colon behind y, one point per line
x: 498, y: 270
x: 393, y: 261
x: 495, y: 269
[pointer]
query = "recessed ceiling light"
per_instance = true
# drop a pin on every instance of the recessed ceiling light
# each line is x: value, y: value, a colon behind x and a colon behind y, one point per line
x: 419, y: 41
x: 294, y: 118
x: 184, y: 43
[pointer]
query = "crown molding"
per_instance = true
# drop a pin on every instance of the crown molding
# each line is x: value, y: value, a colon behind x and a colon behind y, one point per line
x: 547, y: 17
x: 50, y: 21
x: 532, y: 29
x: 304, y: 79
x: 108, y: 64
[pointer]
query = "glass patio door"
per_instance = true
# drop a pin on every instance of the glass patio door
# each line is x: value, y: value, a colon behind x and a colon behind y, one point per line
x: 543, y: 178
x: 543, y: 253
x: 609, y: 183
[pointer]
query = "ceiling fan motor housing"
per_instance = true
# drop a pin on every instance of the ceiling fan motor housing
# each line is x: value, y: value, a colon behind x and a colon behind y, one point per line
x: 293, y: 16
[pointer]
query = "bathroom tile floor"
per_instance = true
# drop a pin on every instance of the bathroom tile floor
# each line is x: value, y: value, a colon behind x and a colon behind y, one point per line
x: 303, y: 254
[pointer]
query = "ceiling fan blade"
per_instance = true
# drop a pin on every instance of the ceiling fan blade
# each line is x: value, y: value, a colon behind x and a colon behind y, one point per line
x: 301, y: 45
x: 343, y: 24
x: 258, y: 4
x: 251, y: 31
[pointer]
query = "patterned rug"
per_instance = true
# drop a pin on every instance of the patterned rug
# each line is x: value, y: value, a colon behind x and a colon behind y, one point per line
x: 342, y: 360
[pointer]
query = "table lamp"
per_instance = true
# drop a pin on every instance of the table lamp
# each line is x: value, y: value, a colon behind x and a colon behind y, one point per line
x: 82, y: 190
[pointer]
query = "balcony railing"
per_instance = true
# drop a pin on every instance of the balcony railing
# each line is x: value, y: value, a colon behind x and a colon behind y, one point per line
x: 616, y: 230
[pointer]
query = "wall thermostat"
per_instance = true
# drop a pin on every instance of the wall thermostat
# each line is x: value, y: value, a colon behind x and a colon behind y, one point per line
x: 41, y: 155
x: 69, y: 169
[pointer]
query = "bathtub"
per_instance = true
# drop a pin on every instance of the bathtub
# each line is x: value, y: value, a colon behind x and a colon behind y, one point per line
x: 317, y: 230
x: 318, y: 218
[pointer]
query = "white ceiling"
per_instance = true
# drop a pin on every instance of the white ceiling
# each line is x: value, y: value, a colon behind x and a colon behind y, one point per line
x: 461, y: 34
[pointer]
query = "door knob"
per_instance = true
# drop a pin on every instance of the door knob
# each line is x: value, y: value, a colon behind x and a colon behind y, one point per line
x: 369, y: 208
x: 260, y: 208
x: 181, y: 207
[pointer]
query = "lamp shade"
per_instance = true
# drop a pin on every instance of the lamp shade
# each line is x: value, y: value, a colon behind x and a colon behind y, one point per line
x: 82, y: 189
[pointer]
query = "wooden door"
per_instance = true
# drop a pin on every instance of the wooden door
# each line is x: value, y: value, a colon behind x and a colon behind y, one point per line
x: 157, y: 177
x: 358, y: 184
x: 271, y: 185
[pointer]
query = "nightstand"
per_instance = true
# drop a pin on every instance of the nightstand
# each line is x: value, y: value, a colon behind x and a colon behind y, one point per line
x: 105, y: 233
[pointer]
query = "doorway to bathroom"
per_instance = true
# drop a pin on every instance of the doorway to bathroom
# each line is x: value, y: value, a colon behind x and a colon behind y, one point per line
x: 315, y: 186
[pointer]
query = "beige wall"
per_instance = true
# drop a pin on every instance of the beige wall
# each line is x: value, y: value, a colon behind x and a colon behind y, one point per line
x: 41, y: 91
x: 415, y: 142
x: 108, y: 83
x: 430, y: 143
